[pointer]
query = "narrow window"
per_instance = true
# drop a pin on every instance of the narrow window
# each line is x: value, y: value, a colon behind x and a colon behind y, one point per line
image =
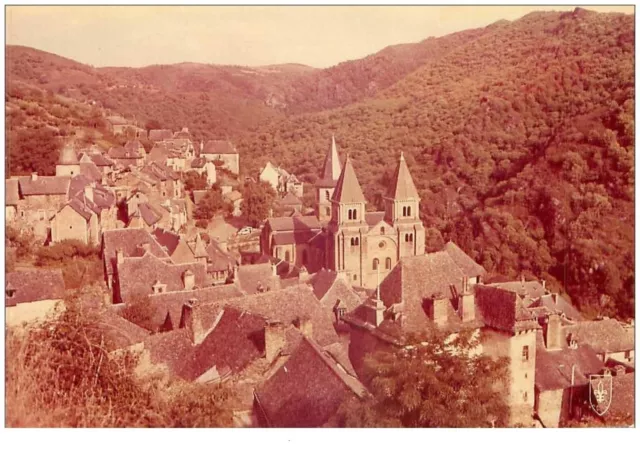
x: 357, y: 241
x: 525, y: 396
x: 410, y: 237
x: 525, y: 353
x: 327, y: 195
x: 355, y: 214
x: 353, y: 241
x: 404, y: 211
x: 408, y: 210
x: 382, y: 230
x: 387, y: 263
x: 406, y: 237
x: 375, y: 263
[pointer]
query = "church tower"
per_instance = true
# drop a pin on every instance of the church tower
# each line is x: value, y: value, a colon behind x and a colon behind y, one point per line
x: 347, y: 229
x: 68, y: 164
x: 328, y: 180
x: 402, y: 212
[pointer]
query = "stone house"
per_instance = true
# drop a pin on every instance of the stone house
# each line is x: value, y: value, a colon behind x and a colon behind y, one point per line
x: 202, y: 166
x: 40, y: 199
x: 280, y: 180
x: 124, y: 157
x: 236, y: 199
x: 119, y: 126
x: 12, y: 194
x: 222, y: 151
x: 32, y: 295
x: 68, y: 164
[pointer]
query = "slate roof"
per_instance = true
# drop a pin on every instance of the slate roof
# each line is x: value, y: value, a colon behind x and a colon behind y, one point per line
x: 101, y: 160
x: 137, y: 275
x: 44, y: 186
x: 532, y: 289
x: 332, y: 166
x: 159, y: 153
x: 249, y: 277
x: 91, y: 171
x: 415, y: 279
x: 402, y: 186
x: 117, y: 152
x: 167, y: 239
x: 348, y: 188
x: 159, y: 172
x: 148, y: 213
x: 290, y: 200
x: 119, y: 332
x: 553, y: 368
x: 11, y: 192
x: 34, y: 285
x: 171, y: 303
x: 466, y: 263
x: 160, y: 134
x: 605, y: 336
x: 129, y: 241
x: 623, y: 397
x: 297, y: 237
x: 307, y: 390
x: 300, y: 223
x: 374, y: 217
x: 219, y: 147
x: 218, y: 259
x: 330, y: 289
x: 503, y: 310
x: 198, y: 162
x: 289, y: 304
x: 83, y: 207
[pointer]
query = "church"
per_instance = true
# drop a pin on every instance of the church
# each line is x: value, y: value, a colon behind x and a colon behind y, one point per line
x: 343, y: 236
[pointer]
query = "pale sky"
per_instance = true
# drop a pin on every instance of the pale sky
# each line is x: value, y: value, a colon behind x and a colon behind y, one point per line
x: 320, y: 36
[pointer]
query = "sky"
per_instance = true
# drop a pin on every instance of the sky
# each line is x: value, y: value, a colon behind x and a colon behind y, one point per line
x: 319, y: 36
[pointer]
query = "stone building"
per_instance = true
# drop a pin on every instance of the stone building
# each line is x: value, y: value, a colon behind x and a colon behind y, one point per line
x: 32, y: 295
x: 40, y: 199
x: 222, y: 151
x: 360, y: 243
x: 68, y: 165
x: 280, y: 180
x: 325, y: 186
x: 202, y: 166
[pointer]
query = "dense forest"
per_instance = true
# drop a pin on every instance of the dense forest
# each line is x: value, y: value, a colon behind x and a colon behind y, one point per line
x: 519, y: 136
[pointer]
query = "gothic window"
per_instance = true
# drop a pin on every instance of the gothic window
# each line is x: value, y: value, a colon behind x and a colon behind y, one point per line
x: 375, y: 263
x: 525, y: 353
x: 387, y: 263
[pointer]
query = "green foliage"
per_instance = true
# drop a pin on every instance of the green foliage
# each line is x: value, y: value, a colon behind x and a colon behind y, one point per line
x: 60, y: 375
x: 33, y: 150
x: 211, y: 204
x: 80, y: 262
x: 258, y: 199
x: 432, y: 383
x: 194, y: 181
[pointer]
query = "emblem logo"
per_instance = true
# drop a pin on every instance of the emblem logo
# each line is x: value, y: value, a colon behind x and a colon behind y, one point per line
x: 600, y: 393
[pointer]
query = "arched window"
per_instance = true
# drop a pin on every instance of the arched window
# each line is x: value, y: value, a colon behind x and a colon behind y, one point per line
x: 408, y: 210
x: 410, y: 237
x: 387, y: 263
x: 404, y: 211
x: 357, y: 241
x: 382, y: 230
x: 375, y: 263
x: 327, y: 194
x: 350, y: 214
x: 354, y: 242
x: 355, y: 214
x: 287, y: 256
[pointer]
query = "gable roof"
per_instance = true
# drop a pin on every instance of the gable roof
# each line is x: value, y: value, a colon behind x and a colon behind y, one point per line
x: 307, y: 390
x: 137, y: 275
x: 604, y: 336
x: 250, y: 277
x: 160, y: 134
x: 331, y: 290
x: 402, y: 186
x: 167, y: 239
x: 44, y: 185
x: 129, y: 241
x: 34, y: 285
x: 290, y: 199
x: 288, y: 305
x: 296, y: 223
x: 219, y: 147
x: 466, y: 263
x: 348, y: 188
x: 90, y: 170
x: 553, y: 368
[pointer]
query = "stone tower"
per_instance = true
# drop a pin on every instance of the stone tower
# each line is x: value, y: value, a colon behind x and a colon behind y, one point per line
x: 325, y: 186
x: 347, y: 229
x: 402, y: 205
x: 68, y: 164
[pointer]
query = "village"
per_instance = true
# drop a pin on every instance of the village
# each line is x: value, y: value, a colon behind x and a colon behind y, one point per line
x: 288, y: 309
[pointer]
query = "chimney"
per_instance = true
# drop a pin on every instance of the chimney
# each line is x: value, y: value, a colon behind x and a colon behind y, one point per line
x: 34, y: 176
x: 274, y: 340
x: 305, y: 326
x: 466, y: 302
x: 544, y: 285
x: 119, y: 256
x: 146, y: 247
x: 438, y: 306
x: 554, y: 332
x: 88, y: 193
x: 189, y: 280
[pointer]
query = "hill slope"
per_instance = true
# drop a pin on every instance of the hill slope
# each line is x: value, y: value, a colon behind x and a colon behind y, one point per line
x: 521, y: 143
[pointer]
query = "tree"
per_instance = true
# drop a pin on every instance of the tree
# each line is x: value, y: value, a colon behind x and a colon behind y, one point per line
x: 211, y: 204
x: 433, y: 383
x: 195, y: 181
x: 153, y: 124
x: 258, y: 198
x: 33, y: 150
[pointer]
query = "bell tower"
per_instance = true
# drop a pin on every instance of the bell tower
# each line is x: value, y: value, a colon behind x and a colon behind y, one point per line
x: 325, y: 186
x: 402, y: 205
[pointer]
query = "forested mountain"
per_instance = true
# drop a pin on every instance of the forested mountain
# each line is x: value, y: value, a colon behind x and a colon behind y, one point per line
x: 521, y: 143
x: 520, y: 135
